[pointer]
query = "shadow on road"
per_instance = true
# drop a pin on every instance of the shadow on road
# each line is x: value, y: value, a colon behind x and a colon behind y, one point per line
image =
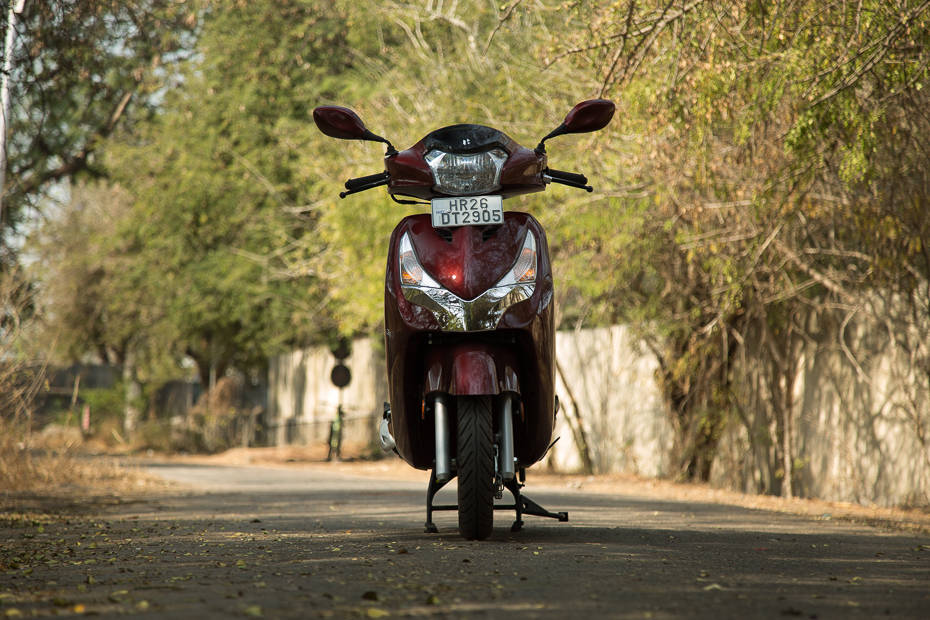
x: 318, y: 543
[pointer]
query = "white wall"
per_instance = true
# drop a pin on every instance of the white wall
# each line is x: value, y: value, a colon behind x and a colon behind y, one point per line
x: 302, y: 401
x: 612, y: 380
x: 855, y: 440
x: 861, y: 424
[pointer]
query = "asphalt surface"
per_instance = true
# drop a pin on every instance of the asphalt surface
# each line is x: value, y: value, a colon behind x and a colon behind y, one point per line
x: 323, y: 542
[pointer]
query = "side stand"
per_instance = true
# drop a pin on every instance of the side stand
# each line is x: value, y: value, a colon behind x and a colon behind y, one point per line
x: 524, y: 505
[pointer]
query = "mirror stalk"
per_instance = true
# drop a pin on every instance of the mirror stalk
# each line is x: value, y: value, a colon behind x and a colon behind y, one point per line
x: 372, y: 137
x: 558, y: 131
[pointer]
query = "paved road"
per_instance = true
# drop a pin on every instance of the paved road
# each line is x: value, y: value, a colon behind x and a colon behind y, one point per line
x: 319, y: 542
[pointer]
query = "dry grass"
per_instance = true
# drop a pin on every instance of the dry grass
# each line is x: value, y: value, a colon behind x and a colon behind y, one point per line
x: 47, y: 464
x: 34, y: 465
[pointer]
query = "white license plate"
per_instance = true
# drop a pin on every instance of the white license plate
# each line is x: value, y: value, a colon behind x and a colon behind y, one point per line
x: 467, y: 211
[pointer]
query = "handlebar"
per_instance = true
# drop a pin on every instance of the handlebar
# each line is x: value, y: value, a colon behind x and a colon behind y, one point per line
x: 354, y: 184
x: 360, y: 184
x: 572, y: 179
x: 568, y: 176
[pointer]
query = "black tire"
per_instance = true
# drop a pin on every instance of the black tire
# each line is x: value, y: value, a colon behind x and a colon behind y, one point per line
x: 475, y: 460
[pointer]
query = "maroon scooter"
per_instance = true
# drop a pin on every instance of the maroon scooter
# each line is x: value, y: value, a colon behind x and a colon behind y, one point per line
x: 468, y: 310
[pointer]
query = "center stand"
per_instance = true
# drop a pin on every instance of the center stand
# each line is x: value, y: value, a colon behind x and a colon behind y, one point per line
x: 521, y: 504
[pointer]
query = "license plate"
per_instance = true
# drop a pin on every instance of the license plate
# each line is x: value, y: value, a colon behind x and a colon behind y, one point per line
x: 467, y: 211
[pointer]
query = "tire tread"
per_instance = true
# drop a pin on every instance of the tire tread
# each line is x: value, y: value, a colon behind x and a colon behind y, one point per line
x: 475, y: 467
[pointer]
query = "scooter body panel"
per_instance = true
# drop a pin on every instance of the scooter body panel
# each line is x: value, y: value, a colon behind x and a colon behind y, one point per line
x: 515, y: 355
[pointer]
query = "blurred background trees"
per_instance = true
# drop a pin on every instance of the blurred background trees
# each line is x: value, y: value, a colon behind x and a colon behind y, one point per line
x: 779, y: 144
x: 81, y: 70
x: 765, y: 181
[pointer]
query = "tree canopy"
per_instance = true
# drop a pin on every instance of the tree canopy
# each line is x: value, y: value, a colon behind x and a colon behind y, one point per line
x: 783, y: 177
x: 767, y: 174
x: 82, y: 68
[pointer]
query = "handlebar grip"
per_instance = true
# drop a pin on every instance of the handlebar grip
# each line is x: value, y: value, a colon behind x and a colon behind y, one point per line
x: 572, y: 177
x: 362, y: 182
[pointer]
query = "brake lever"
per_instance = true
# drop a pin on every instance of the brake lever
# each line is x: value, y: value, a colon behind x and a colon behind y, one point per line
x: 362, y: 189
x: 352, y: 184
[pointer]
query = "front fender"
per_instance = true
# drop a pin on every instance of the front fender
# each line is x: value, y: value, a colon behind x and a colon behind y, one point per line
x: 471, y: 370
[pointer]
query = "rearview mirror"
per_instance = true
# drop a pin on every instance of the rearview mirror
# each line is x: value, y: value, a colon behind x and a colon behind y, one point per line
x: 344, y: 124
x: 590, y: 115
x: 339, y: 122
x: 587, y: 116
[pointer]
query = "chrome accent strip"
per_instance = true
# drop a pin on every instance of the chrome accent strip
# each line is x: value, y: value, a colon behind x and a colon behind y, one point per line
x: 482, y: 313
x: 443, y: 468
x: 387, y: 439
x: 507, y: 470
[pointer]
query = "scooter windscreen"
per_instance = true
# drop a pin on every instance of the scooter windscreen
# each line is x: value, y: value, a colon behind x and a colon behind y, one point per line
x: 467, y: 138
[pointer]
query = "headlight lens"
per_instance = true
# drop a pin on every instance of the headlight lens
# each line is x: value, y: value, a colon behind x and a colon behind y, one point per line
x: 524, y: 268
x: 411, y: 272
x: 465, y: 175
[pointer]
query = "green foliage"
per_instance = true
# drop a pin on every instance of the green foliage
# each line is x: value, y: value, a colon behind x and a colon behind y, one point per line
x: 218, y: 186
x: 106, y: 404
x: 767, y: 163
x: 81, y: 68
x: 772, y: 140
x: 94, y: 297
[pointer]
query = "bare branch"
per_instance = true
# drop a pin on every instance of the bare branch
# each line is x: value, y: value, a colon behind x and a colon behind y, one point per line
x: 500, y: 23
x: 821, y: 279
x: 883, y: 48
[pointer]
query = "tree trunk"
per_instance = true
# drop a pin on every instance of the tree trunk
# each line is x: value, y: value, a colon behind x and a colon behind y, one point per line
x: 577, y: 426
x: 210, y: 367
x: 133, y: 393
x: 787, y: 489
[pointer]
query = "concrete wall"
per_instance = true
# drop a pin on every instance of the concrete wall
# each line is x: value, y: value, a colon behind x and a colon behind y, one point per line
x: 857, y: 436
x: 611, y: 380
x: 860, y: 421
x: 612, y: 384
x: 302, y: 401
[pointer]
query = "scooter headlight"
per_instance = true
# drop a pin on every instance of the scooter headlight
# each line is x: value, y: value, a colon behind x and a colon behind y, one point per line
x: 464, y: 175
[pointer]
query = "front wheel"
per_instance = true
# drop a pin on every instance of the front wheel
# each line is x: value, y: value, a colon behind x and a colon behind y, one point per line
x: 475, y: 460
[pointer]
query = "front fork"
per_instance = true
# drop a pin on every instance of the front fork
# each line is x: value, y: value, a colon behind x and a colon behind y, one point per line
x: 504, y: 466
x: 443, y: 464
x: 505, y: 469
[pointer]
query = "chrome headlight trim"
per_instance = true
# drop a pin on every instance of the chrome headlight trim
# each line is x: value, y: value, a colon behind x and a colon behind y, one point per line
x: 455, y: 314
x: 523, y: 270
x: 484, y: 312
x: 459, y: 174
